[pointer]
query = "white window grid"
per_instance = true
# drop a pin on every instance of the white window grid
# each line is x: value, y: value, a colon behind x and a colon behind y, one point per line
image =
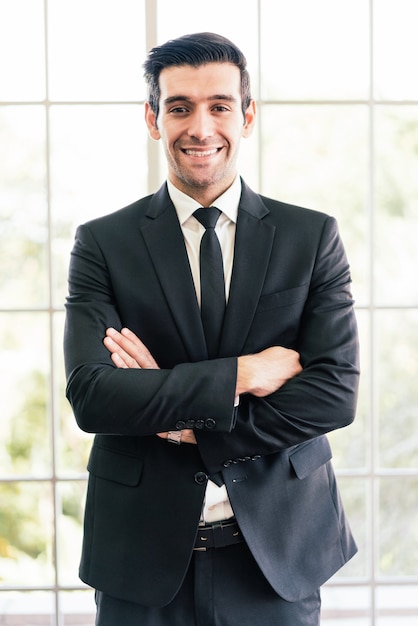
x: 370, y: 475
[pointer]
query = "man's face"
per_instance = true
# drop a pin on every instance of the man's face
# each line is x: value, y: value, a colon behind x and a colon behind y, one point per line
x: 200, y: 123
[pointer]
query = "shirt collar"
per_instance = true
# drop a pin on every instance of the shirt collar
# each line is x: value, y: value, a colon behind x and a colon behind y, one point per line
x: 227, y: 202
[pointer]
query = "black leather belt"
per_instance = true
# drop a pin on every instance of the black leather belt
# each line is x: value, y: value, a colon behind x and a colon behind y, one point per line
x: 218, y: 535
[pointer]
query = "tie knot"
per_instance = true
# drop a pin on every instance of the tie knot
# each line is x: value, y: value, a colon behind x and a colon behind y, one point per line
x: 207, y: 216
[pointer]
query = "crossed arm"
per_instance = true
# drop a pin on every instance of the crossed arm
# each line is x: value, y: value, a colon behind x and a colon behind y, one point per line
x: 259, y: 374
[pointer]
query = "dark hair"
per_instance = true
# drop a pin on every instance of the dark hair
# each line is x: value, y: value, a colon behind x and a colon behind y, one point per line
x: 197, y: 49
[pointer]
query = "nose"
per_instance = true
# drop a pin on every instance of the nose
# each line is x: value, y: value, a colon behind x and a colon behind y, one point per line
x: 201, y: 125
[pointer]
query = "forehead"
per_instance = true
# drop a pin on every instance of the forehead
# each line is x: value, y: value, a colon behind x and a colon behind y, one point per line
x: 200, y: 82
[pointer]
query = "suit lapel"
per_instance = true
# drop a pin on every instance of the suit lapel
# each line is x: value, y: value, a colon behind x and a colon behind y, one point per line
x: 165, y: 243
x: 253, y: 244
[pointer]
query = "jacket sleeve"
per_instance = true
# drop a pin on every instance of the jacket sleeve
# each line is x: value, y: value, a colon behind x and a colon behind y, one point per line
x: 131, y: 401
x: 323, y: 397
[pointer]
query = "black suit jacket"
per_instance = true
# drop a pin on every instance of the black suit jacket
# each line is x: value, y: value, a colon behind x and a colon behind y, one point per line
x: 290, y: 286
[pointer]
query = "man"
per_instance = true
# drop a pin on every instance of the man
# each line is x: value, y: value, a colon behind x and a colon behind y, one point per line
x: 252, y: 476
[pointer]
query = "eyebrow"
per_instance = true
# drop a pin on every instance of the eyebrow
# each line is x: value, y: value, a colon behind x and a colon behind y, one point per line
x: 180, y: 98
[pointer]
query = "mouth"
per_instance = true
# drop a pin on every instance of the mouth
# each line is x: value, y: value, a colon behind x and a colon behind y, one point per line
x: 200, y: 153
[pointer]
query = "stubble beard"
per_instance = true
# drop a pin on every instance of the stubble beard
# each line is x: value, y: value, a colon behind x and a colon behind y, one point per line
x: 199, y: 180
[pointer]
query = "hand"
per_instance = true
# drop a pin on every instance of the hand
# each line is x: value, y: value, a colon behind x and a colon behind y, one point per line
x: 128, y: 352
x: 187, y: 436
x: 265, y: 372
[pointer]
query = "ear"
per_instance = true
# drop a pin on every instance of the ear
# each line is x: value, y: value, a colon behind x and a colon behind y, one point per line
x: 250, y: 115
x: 151, y: 122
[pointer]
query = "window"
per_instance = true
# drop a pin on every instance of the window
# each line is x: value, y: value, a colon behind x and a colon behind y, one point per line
x: 337, y: 131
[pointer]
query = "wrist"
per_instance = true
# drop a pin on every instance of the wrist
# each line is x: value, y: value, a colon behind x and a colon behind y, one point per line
x: 174, y: 436
x: 244, y: 375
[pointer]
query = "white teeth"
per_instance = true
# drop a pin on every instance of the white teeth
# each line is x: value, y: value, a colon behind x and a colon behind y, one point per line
x: 199, y: 153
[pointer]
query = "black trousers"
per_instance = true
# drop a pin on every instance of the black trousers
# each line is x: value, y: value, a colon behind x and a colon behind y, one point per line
x: 223, y: 587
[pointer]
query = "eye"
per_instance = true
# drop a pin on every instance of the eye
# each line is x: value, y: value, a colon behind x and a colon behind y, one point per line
x: 220, y: 108
x: 178, y: 110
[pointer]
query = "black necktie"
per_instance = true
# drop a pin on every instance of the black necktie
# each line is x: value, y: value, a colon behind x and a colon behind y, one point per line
x: 212, y: 282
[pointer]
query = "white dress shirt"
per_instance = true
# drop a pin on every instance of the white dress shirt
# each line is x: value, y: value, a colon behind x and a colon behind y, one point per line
x: 216, y: 505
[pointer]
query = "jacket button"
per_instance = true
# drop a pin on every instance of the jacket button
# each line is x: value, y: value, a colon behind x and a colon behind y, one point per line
x: 180, y: 425
x: 200, y: 478
x: 190, y: 424
x: 210, y: 423
x: 200, y: 424
x: 227, y: 463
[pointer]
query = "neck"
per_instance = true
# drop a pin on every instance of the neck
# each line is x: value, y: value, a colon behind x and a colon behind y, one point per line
x: 205, y: 196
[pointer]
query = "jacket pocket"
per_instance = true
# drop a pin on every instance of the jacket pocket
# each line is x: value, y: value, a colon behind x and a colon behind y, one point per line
x: 309, y: 456
x: 115, y: 466
x: 282, y: 298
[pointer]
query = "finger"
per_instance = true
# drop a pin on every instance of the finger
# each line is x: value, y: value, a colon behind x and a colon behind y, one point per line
x: 124, y: 346
x: 115, y: 348
x: 131, y: 345
x: 118, y: 361
x: 124, y: 361
x: 187, y: 436
x: 128, y: 334
x: 119, y: 357
x: 141, y: 350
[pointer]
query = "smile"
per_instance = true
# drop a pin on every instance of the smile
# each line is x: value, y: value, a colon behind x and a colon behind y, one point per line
x: 200, y: 153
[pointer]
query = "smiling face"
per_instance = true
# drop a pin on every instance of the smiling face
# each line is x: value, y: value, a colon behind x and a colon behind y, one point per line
x: 200, y: 123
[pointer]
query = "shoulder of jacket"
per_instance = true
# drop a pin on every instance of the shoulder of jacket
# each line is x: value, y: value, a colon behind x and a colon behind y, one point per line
x: 135, y: 211
x: 294, y: 213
